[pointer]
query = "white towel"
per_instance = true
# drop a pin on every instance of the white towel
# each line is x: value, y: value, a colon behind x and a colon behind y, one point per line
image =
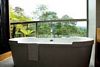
x: 33, y: 52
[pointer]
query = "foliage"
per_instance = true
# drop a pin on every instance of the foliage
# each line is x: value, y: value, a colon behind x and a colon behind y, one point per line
x: 44, y: 28
x: 26, y: 32
x: 39, y: 11
x: 17, y: 15
x: 65, y: 17
x: 48, y: 16
x: 64, y: 28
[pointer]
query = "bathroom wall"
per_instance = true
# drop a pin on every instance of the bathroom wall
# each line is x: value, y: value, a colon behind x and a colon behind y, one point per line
x: 98, y: 33
x: 98, y: 13
x: 92, y: 26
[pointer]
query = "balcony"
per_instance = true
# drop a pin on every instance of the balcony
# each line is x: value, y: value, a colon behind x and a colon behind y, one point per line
x: 49, y: 28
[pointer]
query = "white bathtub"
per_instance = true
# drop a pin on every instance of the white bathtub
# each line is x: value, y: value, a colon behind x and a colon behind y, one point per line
x: 66, y: 41
x: 51, y: 52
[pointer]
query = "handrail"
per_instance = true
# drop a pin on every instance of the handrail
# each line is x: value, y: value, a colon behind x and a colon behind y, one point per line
x: 27, y: 22
x: 36, y: 22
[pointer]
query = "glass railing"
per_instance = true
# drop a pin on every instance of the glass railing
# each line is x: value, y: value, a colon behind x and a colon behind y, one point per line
x: 49, y: 28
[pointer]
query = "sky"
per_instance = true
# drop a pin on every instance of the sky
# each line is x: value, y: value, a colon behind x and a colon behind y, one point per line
x: 73, y: 8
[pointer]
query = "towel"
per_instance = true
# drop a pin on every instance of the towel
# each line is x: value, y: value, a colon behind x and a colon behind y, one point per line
x: 33, y: 52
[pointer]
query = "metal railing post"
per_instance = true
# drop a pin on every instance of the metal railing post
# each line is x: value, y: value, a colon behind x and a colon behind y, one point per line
x: 36, y: 29
x: 13, y: 31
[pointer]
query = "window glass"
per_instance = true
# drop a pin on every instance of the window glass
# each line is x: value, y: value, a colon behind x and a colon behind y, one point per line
x: 53, y: 18
x: 75, y: 9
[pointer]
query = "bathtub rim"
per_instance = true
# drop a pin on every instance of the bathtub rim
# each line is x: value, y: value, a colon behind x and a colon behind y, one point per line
x: 33, y: 42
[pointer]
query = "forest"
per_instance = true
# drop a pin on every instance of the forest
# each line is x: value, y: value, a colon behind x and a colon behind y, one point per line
x: 48, y: 24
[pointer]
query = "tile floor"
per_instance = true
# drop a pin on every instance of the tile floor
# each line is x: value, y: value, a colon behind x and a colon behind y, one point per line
x: 9, y: 63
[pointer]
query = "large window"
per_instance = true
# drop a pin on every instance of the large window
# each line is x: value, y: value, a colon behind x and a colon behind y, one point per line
x: 48, y: 18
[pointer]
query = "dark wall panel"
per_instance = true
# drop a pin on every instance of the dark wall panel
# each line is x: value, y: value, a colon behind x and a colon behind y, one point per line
x: 4, y: 26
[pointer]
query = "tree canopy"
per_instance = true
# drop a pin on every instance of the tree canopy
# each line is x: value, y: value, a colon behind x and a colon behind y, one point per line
x: 42, y: 13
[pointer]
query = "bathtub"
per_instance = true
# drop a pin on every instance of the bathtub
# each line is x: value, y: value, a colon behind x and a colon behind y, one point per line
x: 51, y: 52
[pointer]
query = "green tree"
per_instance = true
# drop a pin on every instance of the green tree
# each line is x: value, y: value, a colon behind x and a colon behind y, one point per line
x: 17, y: 15
x: 41, y: 9
x: 46, y: 27
x: 43, y: 14
x: 66, y: 17
x: 49, y: 15
x: 58, y: 29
